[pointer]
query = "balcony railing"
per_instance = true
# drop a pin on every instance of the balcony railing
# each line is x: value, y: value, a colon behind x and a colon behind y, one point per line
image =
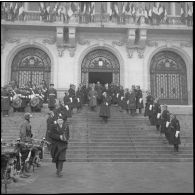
x: 97, y: 18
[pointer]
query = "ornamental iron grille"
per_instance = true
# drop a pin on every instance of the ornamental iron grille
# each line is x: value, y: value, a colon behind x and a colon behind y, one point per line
x: 31, y: 65
x: 168, y: 78
x: 100, y: 61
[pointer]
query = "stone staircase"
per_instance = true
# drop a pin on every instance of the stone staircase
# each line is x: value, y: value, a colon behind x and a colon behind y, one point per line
x: 122, y: 139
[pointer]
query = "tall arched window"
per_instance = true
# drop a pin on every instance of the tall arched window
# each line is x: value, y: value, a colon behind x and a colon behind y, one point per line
x: 31, y: 65
x: 169, y: 78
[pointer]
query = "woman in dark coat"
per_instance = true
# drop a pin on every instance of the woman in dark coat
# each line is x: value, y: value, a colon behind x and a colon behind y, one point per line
x: 59, y: 134
x: 174, y: 132
x: 156, y: 114
x: 165, y: 117
x: 92, y: 98
x: 105, y: 107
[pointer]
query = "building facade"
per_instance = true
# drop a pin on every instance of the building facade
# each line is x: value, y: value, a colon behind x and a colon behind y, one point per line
x: 101, y: 41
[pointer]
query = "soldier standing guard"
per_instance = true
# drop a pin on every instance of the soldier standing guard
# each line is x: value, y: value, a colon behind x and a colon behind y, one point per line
x: 52, y: 96
x: 139, y: 99
x: 5, y: 101
x: 59, y: 134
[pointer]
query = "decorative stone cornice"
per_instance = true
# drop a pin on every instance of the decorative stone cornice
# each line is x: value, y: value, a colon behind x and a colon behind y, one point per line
x: 130, y: 37
x: 60, y: 51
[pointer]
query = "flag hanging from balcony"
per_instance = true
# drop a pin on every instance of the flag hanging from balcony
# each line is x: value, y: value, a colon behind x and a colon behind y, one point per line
x: 116, y: 8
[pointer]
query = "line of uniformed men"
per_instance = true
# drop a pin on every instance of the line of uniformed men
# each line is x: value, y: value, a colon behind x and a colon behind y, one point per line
x: 165, y: 122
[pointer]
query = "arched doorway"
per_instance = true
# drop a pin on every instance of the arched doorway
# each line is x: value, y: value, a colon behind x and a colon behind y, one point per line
x: 169, y: 78
x: 100, y: 65
x: 31, y: 65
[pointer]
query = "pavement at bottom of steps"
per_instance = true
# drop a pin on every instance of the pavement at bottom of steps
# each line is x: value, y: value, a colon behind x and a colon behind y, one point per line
x: 108, y: 177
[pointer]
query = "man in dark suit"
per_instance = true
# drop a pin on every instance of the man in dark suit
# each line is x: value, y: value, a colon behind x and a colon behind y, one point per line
x: 59, y: 134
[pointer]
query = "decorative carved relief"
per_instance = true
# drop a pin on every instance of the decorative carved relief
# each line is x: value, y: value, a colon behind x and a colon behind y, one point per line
x: 130, y: 52
x: 82, y: 41
x: 186, y: 44
x: 72, y: 51
x: 140, y: 52
x: 118, y: 43
x: 152, y: 43
x: 142, y: 37
x: 60, y: 51
x: 13, y: 40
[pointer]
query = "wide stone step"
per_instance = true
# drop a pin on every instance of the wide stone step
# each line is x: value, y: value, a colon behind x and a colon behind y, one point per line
x: 126, y: 160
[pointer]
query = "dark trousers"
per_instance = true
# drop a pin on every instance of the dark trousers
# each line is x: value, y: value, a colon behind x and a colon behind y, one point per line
x: 176, y: 147
x: 59, y: 165
x: 157, y: 127
x: 140, y: 110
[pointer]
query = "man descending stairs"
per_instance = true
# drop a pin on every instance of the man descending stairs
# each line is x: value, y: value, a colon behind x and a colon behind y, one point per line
x: 122, y: 139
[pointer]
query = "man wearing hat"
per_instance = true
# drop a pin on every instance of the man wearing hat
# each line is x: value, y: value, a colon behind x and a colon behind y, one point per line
x: 59, y: 134
x: 52, y: 96
x: 139, y: 99
x: 25, y: 128
x: 174, y: 132
x: 165, y: 117
x: 5, y: 101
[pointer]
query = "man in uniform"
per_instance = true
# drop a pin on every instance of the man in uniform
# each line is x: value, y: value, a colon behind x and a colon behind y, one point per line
x: 139, y: 100
x: 52, y: 96
x: 5, y: 101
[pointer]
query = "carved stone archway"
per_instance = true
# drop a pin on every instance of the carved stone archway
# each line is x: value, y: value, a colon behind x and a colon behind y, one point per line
x: 31, y: 65
x: 100, y: 60
x: 168, y: 78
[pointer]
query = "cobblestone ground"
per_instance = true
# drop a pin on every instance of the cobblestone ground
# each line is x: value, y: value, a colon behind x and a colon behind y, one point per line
x: 109, y: 178
x: 105, y: 177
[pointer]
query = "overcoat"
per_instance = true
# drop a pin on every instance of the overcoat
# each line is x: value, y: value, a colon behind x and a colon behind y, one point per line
x: 68, y: 105
x: 156, y: 110
x: 79, y: 99
x: 132, y: 101
x: 149, y: 101
x: 139, y: 104
x: 105, y: 107
x: 72, y: 94
x: 25, y: 131
x: 58, y: 147
x: 164, y: 118
x: 5, y: 100
x: 50, y: 121
x: 92, y: 98
x: 173, y: 127
x: 52, y: 96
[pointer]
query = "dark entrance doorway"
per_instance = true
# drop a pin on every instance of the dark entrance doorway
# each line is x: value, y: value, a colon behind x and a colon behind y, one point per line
x: 102, y: 77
